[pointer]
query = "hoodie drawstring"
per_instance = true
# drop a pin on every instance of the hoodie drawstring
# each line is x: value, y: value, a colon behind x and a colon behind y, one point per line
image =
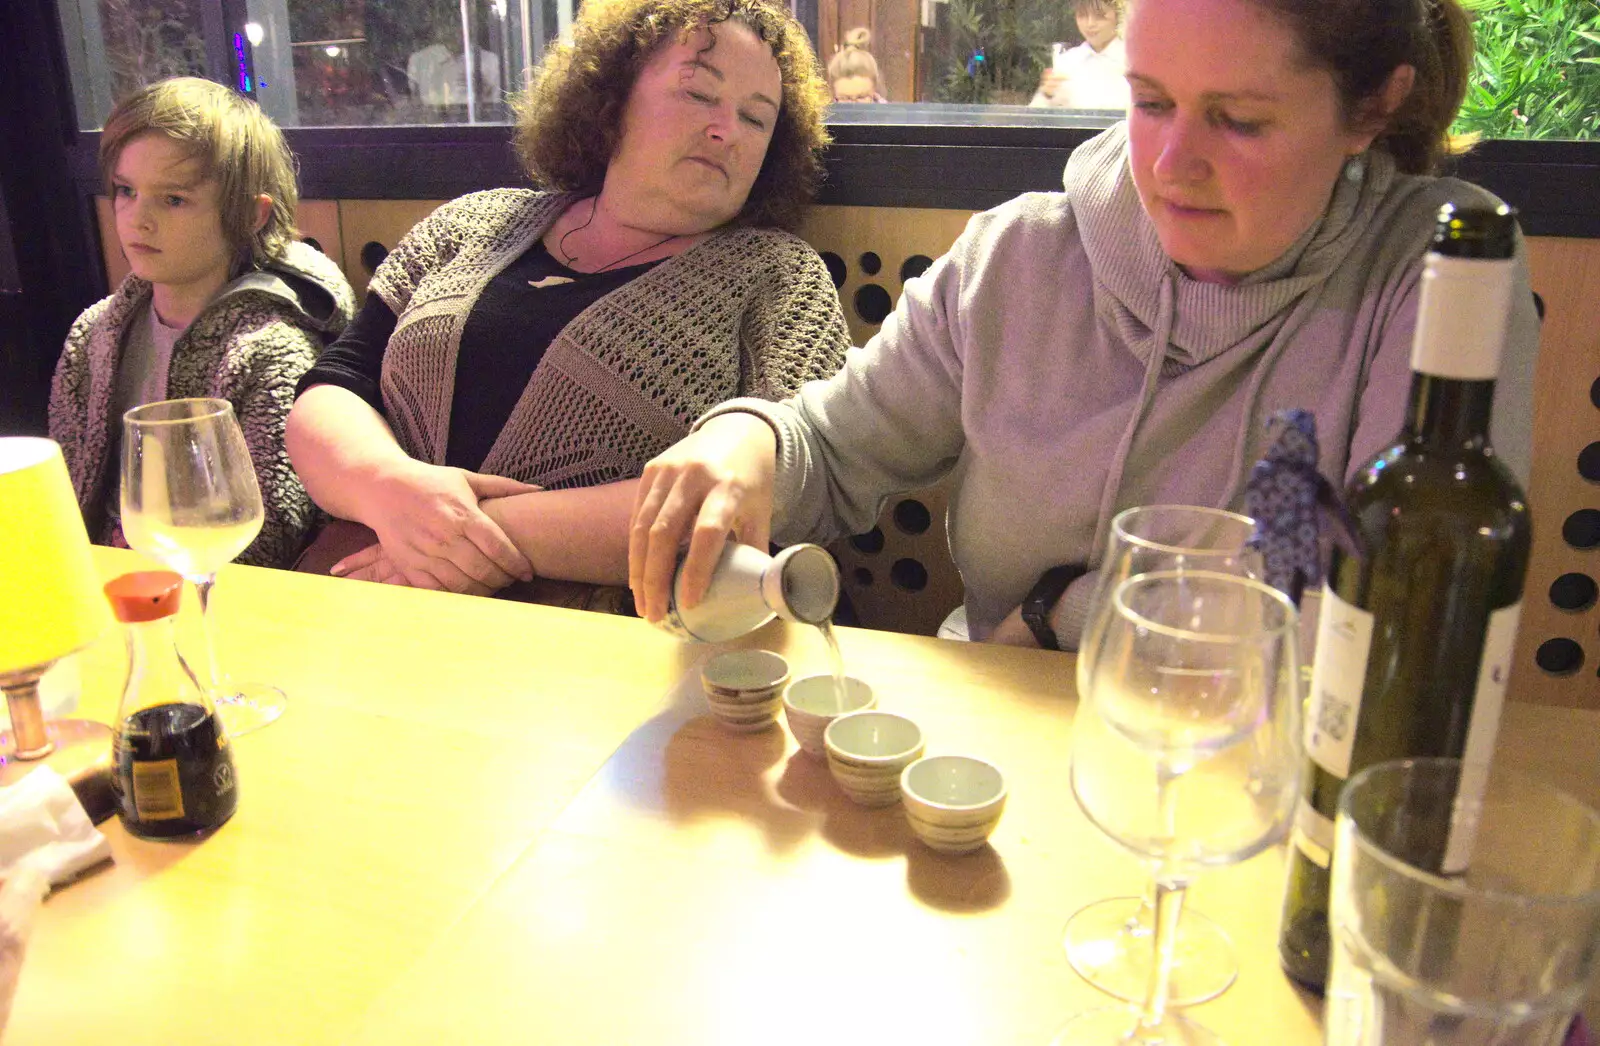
x: 1166, y: 309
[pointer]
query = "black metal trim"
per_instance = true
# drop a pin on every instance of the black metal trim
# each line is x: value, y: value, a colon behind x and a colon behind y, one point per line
x: 965, y: 157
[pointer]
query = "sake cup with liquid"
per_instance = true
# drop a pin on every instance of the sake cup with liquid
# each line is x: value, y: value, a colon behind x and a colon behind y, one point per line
x: 868, y: 750
x: 810, y: 703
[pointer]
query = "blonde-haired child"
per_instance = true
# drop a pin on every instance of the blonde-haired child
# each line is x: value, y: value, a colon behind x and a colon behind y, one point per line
x: 221, y: 299
x: 853, y: 72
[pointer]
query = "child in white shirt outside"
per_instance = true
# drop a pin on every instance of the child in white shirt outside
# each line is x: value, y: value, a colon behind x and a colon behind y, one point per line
x: 1090, y: 75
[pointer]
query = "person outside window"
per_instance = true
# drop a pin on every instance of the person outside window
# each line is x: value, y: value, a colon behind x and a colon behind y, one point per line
x: 1090, y: 75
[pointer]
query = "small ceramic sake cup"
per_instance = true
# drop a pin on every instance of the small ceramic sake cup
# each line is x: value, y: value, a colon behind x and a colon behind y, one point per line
x: 953, y: 802
x: 868, y: 750
x: 810, y: 703
x: 745, y: 688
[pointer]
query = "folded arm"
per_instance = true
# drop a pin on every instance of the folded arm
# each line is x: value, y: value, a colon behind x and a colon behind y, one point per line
x: 573, y: 535
x: 426, y: 516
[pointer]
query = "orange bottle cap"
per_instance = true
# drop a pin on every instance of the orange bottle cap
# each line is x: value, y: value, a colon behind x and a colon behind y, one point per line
x: 147, y: 595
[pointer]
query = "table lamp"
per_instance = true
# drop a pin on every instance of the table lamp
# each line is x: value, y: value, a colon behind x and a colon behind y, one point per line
x: 51, y: 604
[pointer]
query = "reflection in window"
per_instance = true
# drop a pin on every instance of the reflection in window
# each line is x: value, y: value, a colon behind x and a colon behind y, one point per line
x: 333, y: 62
x: 996, y: 51
x: 117, y: 46
x: 364, y: 62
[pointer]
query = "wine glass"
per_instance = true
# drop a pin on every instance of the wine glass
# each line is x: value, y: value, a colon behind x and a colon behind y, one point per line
x: 1108, y: 943
x: 190, y: 500
x: 1185, y: 750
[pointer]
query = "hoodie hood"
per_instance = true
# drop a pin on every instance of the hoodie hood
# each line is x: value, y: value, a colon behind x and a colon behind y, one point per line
x: 1171, y: 322
x: 1205, y: 319
x: 305, y: 280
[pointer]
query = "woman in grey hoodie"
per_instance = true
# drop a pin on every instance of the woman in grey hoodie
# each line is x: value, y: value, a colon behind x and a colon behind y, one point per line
x: 220, y: 302
x: 1249, y: 240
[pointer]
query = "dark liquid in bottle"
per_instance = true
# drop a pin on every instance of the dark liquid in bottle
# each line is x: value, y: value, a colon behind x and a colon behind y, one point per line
x: 174, y: 773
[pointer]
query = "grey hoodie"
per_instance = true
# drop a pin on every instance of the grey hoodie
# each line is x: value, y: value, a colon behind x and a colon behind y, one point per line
x: 1064, y: 368
x: 249, y: 346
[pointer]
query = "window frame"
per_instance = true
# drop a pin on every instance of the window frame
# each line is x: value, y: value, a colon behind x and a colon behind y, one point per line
x: 967, y: 157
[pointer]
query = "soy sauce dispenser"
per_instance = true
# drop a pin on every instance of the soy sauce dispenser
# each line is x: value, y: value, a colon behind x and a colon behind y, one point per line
x: 173, y: 766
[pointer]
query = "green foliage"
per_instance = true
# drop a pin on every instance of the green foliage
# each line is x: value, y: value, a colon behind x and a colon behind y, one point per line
x: 1537, y: 70
x: 1014, y: 37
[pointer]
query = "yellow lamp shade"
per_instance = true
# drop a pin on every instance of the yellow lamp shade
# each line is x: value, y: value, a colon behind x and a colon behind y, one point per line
x: 50, y: 598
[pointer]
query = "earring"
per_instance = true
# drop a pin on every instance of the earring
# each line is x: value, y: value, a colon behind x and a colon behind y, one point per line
x: 1355, y: 167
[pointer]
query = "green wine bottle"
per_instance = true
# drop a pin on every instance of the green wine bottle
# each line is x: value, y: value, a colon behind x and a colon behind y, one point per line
x: 1416, y: 634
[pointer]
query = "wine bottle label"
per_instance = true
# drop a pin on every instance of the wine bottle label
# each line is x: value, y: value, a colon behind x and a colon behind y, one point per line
x: 1344, y: 640
x: 1462, y: 315
x: 1488, y: 701
x: 1312, y: 834
x: 157, y: 790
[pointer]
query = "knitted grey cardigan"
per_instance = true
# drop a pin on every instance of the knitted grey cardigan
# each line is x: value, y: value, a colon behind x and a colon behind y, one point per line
x: 249, y: 346
x: 745, y: 312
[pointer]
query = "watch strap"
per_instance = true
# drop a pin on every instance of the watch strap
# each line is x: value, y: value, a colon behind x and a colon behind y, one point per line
x: 1043, y: 597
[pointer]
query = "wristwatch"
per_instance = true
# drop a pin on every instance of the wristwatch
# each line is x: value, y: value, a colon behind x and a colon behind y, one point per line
x: 1046, y: 593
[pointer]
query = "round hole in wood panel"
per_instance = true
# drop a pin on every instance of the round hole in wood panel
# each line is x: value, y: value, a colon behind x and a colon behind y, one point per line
x: 836, y: 270
x: 912, y: 517
x: 914, y: 266
x: 868, y: 544
x: 862, y: 576
x: 1574, y: 591
x: 372, y: 255
x: 1589, y: 462
x: 1582, y: 528
x: 1559, y: 657
x: 909, y: 575
x: 871, y: 263
x: 1594, y: 392
x: 873, y: 303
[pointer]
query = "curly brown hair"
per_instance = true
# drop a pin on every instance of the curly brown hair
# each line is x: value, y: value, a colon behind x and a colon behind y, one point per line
x: 569, y: 119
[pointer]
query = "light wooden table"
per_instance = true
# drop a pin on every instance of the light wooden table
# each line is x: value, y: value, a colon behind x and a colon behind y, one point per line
x: 484, y: 822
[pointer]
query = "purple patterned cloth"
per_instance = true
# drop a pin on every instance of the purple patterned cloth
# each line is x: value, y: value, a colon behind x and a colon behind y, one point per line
x: 1293, y: 505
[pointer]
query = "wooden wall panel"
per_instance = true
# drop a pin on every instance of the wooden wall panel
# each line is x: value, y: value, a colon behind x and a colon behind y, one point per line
x: 1566, y: 420
x: 900, y: 577
x: 375, y: 221
x: 895, y: 234
x: 319, y: 220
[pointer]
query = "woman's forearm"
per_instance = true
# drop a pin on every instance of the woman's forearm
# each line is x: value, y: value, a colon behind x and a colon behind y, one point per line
x: 573, y: 535
x: 342, y: 450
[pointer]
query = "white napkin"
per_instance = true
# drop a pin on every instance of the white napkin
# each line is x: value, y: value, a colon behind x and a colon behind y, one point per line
x: 19, y: 903
x: 43, y: 828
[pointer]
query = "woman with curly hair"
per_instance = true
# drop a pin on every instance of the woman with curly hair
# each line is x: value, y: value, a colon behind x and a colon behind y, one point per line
x: 521, y: 354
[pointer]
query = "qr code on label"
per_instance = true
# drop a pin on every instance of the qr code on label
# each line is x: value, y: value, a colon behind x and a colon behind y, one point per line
x: 1333, y: 717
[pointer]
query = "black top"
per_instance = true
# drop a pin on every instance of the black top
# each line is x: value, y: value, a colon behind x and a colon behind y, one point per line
x: 505, y: 336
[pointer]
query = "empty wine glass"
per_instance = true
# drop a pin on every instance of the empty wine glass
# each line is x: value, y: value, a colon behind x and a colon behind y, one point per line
x: 190, y: 500
x: 1108, y: 943
x: 1185, y: 750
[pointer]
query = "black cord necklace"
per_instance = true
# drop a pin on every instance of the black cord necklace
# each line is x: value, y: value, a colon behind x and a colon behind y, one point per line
x: 561, y: 245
